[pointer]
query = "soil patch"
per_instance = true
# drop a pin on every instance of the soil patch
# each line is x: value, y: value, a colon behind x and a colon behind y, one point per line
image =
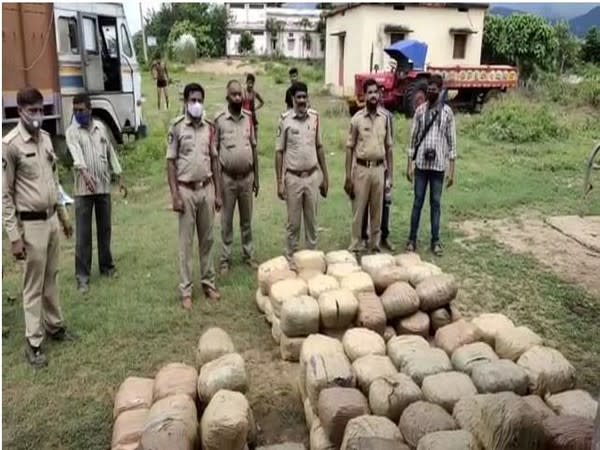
x: 223, y: 66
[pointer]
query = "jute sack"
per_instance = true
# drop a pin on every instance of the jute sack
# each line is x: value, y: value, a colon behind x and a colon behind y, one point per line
x: 425, y: 362
x: 172, y: 423
x: 440, y: 318
x: 316, y: 344
x: 332, y: 333
x: 299, y: 316
x: 370, y: 312
x: 336, y: 407
x: 537, y: 403
x: 389, y: 333
x: 387, y: 276
x: 227, y: 422
x: 325, y: 371
x: 370, y: 426
x: 375, y: 443
x: 340, y: 257
x: 318, y: 437
x: 269, y: 314
x: 341, y: 270
x: 337, y: 308
x: 284, y: 290
x: 361, y: 342
x: 500, y: 376
x: 358, y: 282
x: 455, y: 335
x: 419, y: 272
x: 399, y: 347
x: 213, y: 343
x: 134, y: 393
x: 548, y: 370
x: 466, y: 357
x: 447, y: 388
x: 309, y: 413
x: 569, y: 433
x: 399, y: 300
x: 276, y: 330
x: 390, y: 395
x: 369, y: 368
x: 448, y: 440
x: 489, y: 324
x: 436, y: 291
x: 418, y: 324
x: 322, y: 283
x: 573, y: 403
x: 407, y: 259
x: 272, y: 265
x: 227, y: 372
x: 128, y: 429
x: 372, y: 263
x: 422, y: 418
x: 310, y: 260
x: 513, y: 342
x: 308, y: 275
x: 277, y: 275
x: 261, y: 300
x: 290, y: 347
x: 175, y: 378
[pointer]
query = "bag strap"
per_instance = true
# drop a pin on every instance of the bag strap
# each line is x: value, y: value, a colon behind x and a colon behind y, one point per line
x: 428, y: 126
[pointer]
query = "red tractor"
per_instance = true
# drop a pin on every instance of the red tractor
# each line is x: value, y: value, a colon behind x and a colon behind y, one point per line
x: 405, y: 85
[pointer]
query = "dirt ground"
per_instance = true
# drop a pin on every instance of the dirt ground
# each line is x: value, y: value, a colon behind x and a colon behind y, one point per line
x: 569, y: 246
x: 222, y: 66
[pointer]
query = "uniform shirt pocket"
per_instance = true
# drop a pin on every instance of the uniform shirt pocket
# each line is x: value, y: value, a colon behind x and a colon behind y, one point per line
x: 29, y: 165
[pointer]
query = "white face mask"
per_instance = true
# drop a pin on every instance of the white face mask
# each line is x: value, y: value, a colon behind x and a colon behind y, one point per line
x: 195, y: 109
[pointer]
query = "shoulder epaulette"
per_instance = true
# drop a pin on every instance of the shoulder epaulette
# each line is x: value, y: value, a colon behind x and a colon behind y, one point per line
x: 177, y: 120
x: 285, y: 114
x: 10, y: 136
x: 314, y: 112
x: 209, y: 122
x: 219, y: 114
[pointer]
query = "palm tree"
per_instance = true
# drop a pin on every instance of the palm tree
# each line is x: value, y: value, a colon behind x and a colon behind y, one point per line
x: 274, y: 28
x: 305, y: 25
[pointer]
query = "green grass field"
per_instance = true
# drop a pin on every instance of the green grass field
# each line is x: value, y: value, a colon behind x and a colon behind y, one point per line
x: 134, y: 325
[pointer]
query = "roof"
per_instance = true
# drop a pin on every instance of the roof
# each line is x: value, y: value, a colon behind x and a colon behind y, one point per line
x: 347, y: 6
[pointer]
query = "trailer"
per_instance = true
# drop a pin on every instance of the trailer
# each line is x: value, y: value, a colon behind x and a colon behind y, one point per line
x: 64, y: 49
x: 404, y: 87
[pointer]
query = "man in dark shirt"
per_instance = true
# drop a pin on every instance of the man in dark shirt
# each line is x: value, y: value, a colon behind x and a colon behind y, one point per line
x: 288, y: 94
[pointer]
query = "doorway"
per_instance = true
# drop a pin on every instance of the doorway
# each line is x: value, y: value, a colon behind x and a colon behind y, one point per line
x: 111, y: 57
x: 341, y: 47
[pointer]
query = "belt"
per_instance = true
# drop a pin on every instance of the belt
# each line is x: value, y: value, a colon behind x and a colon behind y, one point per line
x: 236, y: 176
x: 195, y: 185
x: 37, y: 215
x: 368, y: 163
x: 302, y: 173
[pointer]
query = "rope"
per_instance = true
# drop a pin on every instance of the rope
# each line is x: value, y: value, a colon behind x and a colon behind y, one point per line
x: 36, y: 60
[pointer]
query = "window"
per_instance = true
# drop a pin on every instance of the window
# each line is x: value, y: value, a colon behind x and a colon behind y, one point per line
x: 274, y: 44
x: 395, y: 37
x: 125, y: 42
x: 236, y: 5
x: 463, y: 9
x: 291, y: 45
x: 90, y: 38
x: 109, y: 33
x: 256, y: 6
x: 291, y: 35
x: 322, y: 45
x: 399, y: 8
x: 460, y: 46
x: 307, y: 43
x: 67, y: 35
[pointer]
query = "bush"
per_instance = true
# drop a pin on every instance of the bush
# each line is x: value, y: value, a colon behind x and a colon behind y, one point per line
x: 200, y: 33
x: 184, y: 49
x: 516, y: 120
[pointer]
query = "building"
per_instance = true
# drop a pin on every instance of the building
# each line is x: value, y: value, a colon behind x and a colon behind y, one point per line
x: 453, y: 32
x: 287, y: 31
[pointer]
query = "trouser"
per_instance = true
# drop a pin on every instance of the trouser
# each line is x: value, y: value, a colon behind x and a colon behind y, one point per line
x: 435, y: 180
x: 368, y: 185
x: 302, y: 198
x: 40, y: 279
x: 385, y: 218
x: 198, y: 216
x: 237, y: 191
x: 84, y: 207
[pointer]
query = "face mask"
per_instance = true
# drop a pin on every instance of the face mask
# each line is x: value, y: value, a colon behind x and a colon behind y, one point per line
x: 432, y: 96
x: 83, y: 118
x: 32, y: 122
x: 195, y: 110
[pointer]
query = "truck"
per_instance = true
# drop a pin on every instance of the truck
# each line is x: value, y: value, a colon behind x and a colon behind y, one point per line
x: 405, y: 85
x: 64, y: 49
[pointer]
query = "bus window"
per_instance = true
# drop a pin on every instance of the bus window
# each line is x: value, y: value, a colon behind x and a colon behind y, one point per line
x: 67, y: 35
x: 126, y: 42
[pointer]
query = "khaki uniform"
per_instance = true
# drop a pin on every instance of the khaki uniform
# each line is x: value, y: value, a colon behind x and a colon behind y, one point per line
x: 30, y: 197
x: 298, y: 139
x: 192, y: 147
x: 369, y: 135
x: 235, y: 141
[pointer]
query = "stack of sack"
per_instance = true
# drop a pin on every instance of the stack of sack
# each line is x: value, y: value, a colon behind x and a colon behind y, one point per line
x: 182, y: 403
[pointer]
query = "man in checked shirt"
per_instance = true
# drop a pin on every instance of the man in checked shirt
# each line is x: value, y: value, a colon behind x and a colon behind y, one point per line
x: 431, y: 155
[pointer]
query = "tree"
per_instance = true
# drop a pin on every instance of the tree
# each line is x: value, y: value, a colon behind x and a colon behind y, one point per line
x: 568, y: 48
x: 200, y: 33
x: 246, y: 43
x: 591, y: 46
x: 185, y: 48
x: 274, y: 28
x: 138, y: 47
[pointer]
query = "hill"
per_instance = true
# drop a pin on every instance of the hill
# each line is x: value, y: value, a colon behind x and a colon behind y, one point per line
x: 580, y: 25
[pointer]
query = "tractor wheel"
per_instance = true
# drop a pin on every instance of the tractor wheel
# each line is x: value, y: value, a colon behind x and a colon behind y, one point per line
x: 416, y: 93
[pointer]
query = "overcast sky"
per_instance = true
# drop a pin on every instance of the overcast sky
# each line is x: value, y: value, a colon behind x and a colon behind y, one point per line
x: 132, y: 11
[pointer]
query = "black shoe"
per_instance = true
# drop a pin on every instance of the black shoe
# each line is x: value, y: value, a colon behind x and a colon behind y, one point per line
x: 62, y: 335
x: 437, y: 249
x: 35, y: 356
x: 110, y: 273
x: 83, y: 288
x: 411, y: 247
x: 385, y: 244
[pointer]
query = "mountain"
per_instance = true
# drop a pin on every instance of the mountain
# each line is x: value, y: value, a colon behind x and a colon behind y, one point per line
x: 580, y: 25
x: 503, y: 11
x: 551, y: 11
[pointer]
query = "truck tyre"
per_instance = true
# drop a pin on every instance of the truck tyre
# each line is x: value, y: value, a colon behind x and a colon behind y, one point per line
x: 416, y: 93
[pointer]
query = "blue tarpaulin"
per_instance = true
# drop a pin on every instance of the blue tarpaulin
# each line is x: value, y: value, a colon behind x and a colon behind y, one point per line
x: 411, y: 50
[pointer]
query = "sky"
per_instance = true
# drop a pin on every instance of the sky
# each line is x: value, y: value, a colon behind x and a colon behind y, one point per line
x: 132, y: 11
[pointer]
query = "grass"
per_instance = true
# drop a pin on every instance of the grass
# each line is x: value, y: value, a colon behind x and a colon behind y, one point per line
x: 133, y: 325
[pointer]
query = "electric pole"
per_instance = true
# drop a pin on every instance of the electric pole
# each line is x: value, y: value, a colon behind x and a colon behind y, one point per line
x: 143, y: 34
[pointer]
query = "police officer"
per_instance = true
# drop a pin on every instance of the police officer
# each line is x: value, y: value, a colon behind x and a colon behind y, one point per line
x: 236, y: 147
x: 300, y: 168
x: 193, y: 174
x: 30, y: 206
x: 368, y: 156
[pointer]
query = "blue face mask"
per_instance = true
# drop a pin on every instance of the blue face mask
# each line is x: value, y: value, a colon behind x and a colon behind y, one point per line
x: 83, y: 119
